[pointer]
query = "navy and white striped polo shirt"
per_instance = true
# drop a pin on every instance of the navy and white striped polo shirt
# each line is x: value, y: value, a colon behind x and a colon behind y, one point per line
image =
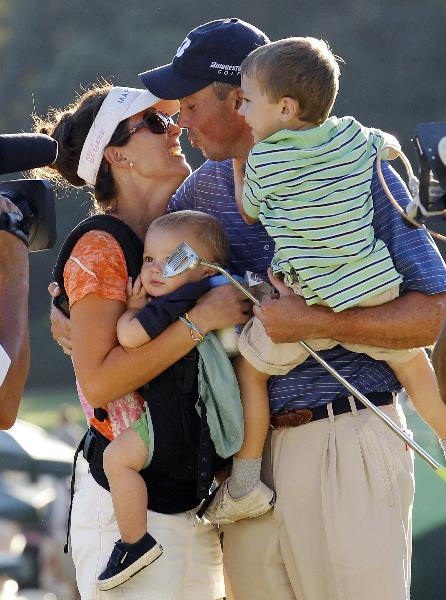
x: 211, y: 189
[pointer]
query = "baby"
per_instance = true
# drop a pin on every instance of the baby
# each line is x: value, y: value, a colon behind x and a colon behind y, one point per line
x: 308, y: 180
x: 154, y: 302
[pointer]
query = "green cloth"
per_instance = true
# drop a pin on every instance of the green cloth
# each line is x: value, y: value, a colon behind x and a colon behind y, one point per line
x: 219, y: 391
x: 144, y: 428
x: 311, y: 189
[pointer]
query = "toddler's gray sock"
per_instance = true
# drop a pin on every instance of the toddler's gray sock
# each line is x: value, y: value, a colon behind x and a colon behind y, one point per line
x: 244, y: 476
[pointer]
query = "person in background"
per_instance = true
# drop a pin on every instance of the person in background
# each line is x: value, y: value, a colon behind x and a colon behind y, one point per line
x: 18, y: 152
x: 439, y: 361
x: 14, y: 335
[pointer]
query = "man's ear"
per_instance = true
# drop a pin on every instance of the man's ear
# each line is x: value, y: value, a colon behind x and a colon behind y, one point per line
x: 115, y: 157
x: 238, y: 98
x: 289, y: 109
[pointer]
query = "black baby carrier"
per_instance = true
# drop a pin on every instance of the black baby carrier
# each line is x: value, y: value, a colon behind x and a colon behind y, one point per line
x: 184, y: 459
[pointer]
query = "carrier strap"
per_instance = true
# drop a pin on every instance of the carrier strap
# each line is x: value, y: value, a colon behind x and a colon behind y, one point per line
x: 131, y: 246
x: 73, y: 479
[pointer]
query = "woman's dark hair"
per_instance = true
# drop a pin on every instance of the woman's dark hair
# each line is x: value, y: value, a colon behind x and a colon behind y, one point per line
x: 69, y: 126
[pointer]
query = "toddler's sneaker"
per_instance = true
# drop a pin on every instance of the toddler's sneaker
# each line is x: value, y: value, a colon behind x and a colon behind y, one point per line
x: 224, y: 509
x: 128, y: 559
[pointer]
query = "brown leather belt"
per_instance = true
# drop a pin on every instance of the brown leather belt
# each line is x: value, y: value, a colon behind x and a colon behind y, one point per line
x: 293, y: 417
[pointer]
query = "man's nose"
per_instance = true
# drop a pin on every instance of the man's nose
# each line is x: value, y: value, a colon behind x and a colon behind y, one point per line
x: 182, y: 122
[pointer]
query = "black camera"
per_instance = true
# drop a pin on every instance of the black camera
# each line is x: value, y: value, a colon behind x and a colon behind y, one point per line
x: 430, y: 144
x: 33, y: 197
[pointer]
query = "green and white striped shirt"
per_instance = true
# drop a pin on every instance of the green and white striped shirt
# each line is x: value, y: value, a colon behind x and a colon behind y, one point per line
x: 311, y: 191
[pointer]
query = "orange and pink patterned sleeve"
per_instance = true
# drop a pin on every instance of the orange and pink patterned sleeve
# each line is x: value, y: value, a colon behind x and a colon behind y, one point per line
x: 96, y: 266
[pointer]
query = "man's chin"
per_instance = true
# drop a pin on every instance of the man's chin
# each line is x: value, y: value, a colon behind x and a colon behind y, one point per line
x: 214, y: 155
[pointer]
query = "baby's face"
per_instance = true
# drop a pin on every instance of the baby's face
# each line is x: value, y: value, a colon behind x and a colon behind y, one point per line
x: 159, y: 244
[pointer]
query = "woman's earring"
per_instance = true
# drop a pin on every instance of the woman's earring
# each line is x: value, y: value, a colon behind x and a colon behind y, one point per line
x: 131, y: 165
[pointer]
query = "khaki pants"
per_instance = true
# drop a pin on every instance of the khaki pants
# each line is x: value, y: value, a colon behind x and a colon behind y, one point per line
x: 341, y: 527
x: 280, y: 359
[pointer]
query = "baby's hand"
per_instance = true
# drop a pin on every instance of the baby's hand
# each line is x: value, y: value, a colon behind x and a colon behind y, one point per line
x: 136, y: 294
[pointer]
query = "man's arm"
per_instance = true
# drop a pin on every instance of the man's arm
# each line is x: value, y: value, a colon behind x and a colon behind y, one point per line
x: 14, y: 336
x: 412, y: 320
x: 439, y: 361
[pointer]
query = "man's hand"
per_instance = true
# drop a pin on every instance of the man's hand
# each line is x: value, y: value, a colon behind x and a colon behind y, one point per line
x: 413, y: 320
x: 285, y: 316
x: 10, y: 218
x: 60, y: 324
x: 8, y: 206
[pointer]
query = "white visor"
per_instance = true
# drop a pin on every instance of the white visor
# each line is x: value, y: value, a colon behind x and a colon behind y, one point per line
x: 119, y: 104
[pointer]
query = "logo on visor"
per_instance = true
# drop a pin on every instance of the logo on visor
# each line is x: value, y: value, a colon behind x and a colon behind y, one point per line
x: 123, y: 97
x: 94, y: 146
x: 183, y: 47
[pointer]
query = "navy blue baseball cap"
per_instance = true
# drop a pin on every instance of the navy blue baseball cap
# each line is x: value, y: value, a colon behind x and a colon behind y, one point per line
x: 211, y: 52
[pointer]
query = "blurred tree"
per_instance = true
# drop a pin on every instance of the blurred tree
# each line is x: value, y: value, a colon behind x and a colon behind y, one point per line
x: 392, y: 78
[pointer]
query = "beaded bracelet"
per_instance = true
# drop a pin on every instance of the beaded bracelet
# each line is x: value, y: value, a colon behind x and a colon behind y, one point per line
x: 195, y: 333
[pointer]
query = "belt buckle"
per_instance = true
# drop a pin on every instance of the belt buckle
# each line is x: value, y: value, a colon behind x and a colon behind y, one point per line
x: 292, y: 418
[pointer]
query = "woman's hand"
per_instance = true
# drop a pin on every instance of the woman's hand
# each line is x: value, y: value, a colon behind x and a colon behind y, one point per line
x: 60, y: 324
x: 221, y: 307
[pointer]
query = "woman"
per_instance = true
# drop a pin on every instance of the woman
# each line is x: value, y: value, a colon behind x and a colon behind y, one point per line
x: 116, y: 140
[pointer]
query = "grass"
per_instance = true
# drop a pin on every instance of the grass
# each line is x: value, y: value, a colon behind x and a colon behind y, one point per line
x: 43, y: 407
x: 430, y: 494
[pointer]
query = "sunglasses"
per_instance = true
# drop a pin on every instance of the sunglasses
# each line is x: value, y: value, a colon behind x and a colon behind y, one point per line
x: 155, y: 120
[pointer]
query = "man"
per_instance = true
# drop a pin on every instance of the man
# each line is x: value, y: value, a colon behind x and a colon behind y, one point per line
x: 18, y: 152
x: 439, y: 362
x: 341, y: 525
x: 14, y: 337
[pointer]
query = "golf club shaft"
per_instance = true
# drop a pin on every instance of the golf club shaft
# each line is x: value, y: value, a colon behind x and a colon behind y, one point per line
x: 357, y: 394
x: 439, y: 469
x: 234, y: 281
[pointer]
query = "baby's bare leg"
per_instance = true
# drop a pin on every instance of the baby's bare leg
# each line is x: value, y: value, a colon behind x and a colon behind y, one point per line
x: 418, y: 378
x: 244, y: 494
x: 246, y: 464
x: 123, y: 458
